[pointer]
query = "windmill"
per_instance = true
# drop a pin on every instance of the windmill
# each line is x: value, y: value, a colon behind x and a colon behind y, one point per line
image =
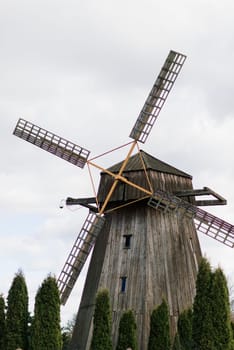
x: 141, y: 227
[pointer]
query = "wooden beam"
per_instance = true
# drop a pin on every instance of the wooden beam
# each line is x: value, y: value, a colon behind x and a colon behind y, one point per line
x: 206, y: 191
x: 80, y: 201
x: 85, y: 202
x: 117, y: 177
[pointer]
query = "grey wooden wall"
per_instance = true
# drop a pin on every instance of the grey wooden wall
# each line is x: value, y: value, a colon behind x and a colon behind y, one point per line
x: 161, y: 261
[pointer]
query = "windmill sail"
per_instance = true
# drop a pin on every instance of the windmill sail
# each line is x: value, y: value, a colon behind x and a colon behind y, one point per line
x: 157, y: 96
x: 205, y: 222
x: 51, y: 143
x: 214, y: 227
x: 79, y: 254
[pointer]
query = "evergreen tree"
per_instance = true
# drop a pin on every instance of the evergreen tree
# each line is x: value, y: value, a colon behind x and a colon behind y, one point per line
x: 222, y: 332
x: 2, y: 324
x: 185, y: 329
x: 46, y: 332
x: 17, y: 314
x: 127, y: 332
x: 101, y: 339
x: 159, y: 338
x: 176, y: 343
x: 202, y: 329
x: 232, y: 326
x: 232, y: 342
x: 30, y: 320
x: 66, y: 341
x: 67, y: 333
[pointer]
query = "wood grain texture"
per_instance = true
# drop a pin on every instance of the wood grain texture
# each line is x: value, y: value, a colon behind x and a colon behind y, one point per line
x: 161, y: 262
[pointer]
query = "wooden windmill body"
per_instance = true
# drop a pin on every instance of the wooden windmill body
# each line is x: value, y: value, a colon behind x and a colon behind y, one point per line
x: 142, y: 225
x: 141, y: 255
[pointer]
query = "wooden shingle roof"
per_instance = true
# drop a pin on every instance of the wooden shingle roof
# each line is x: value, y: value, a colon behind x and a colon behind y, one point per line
x: 151, y: 163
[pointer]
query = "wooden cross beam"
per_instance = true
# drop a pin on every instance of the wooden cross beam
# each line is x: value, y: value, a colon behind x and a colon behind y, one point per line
x: 206, y: 191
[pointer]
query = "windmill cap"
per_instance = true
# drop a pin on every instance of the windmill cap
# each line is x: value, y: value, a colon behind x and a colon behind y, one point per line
x: 150, y: 163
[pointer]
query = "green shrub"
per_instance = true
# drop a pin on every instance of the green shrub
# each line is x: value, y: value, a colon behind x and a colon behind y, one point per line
x: 46, y: 332
x: 127, y: 332
x: 159, y: 338
x: 17, y: 314
x: 101, y: 339
x: 185, y: 329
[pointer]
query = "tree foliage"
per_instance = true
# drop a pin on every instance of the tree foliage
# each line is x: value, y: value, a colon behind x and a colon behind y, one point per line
x: 17, y: 314
x: 101, y: 339
x: 222, y: 332
x: 66, y: 340
x: 185, y: 329
x: 46, y: 332
x: 232, y: 326
x: 202, y: 330
x: 2, y: 324
x: 159, y: 338
x: 211, y: 326
x: 67, y: 333
x: 176, y: 343
x: 127, y: 332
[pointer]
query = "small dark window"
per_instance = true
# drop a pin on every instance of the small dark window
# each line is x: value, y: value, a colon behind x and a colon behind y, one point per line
x: 127, y: 241
x: 123, y: 283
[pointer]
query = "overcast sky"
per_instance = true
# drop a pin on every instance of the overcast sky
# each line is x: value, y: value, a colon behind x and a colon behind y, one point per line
x: 83, y: 69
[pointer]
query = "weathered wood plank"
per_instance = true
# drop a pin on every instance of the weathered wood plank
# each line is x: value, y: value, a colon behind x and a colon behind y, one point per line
x: 161, y: 262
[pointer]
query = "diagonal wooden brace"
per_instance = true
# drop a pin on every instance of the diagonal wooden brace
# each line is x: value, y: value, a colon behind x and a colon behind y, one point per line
x: 118, y: 177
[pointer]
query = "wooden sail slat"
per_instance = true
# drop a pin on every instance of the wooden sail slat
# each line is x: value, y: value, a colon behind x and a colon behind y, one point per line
x: 205, y: 222
x: 157, y: 96
x: 52, y: 143
x: 79, y: 254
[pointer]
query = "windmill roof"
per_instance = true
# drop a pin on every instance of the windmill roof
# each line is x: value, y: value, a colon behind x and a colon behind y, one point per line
x: 150, y: 162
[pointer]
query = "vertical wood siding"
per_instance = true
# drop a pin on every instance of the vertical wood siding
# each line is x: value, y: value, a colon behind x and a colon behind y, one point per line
x: 160, y: 263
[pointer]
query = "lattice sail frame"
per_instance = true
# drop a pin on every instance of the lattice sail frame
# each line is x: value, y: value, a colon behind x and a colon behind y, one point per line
x: 52, y: 143
x: 157, y: 96
x: 205, y: 222
x: 79, y: 254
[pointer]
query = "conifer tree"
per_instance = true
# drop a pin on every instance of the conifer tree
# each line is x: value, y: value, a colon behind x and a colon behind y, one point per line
x: 159, y: 338
x: 176, y: 343
x: 232, y: 326
x: 17, y: 314
x: 202, y: 328
x: 185, y: 329
x: 232, y: 342
x: 222, y: 332
x: 67, y: 333
x: 127, y: 332
x: 101, y: 339
x: 2, y: 324
x: 46, y: 332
